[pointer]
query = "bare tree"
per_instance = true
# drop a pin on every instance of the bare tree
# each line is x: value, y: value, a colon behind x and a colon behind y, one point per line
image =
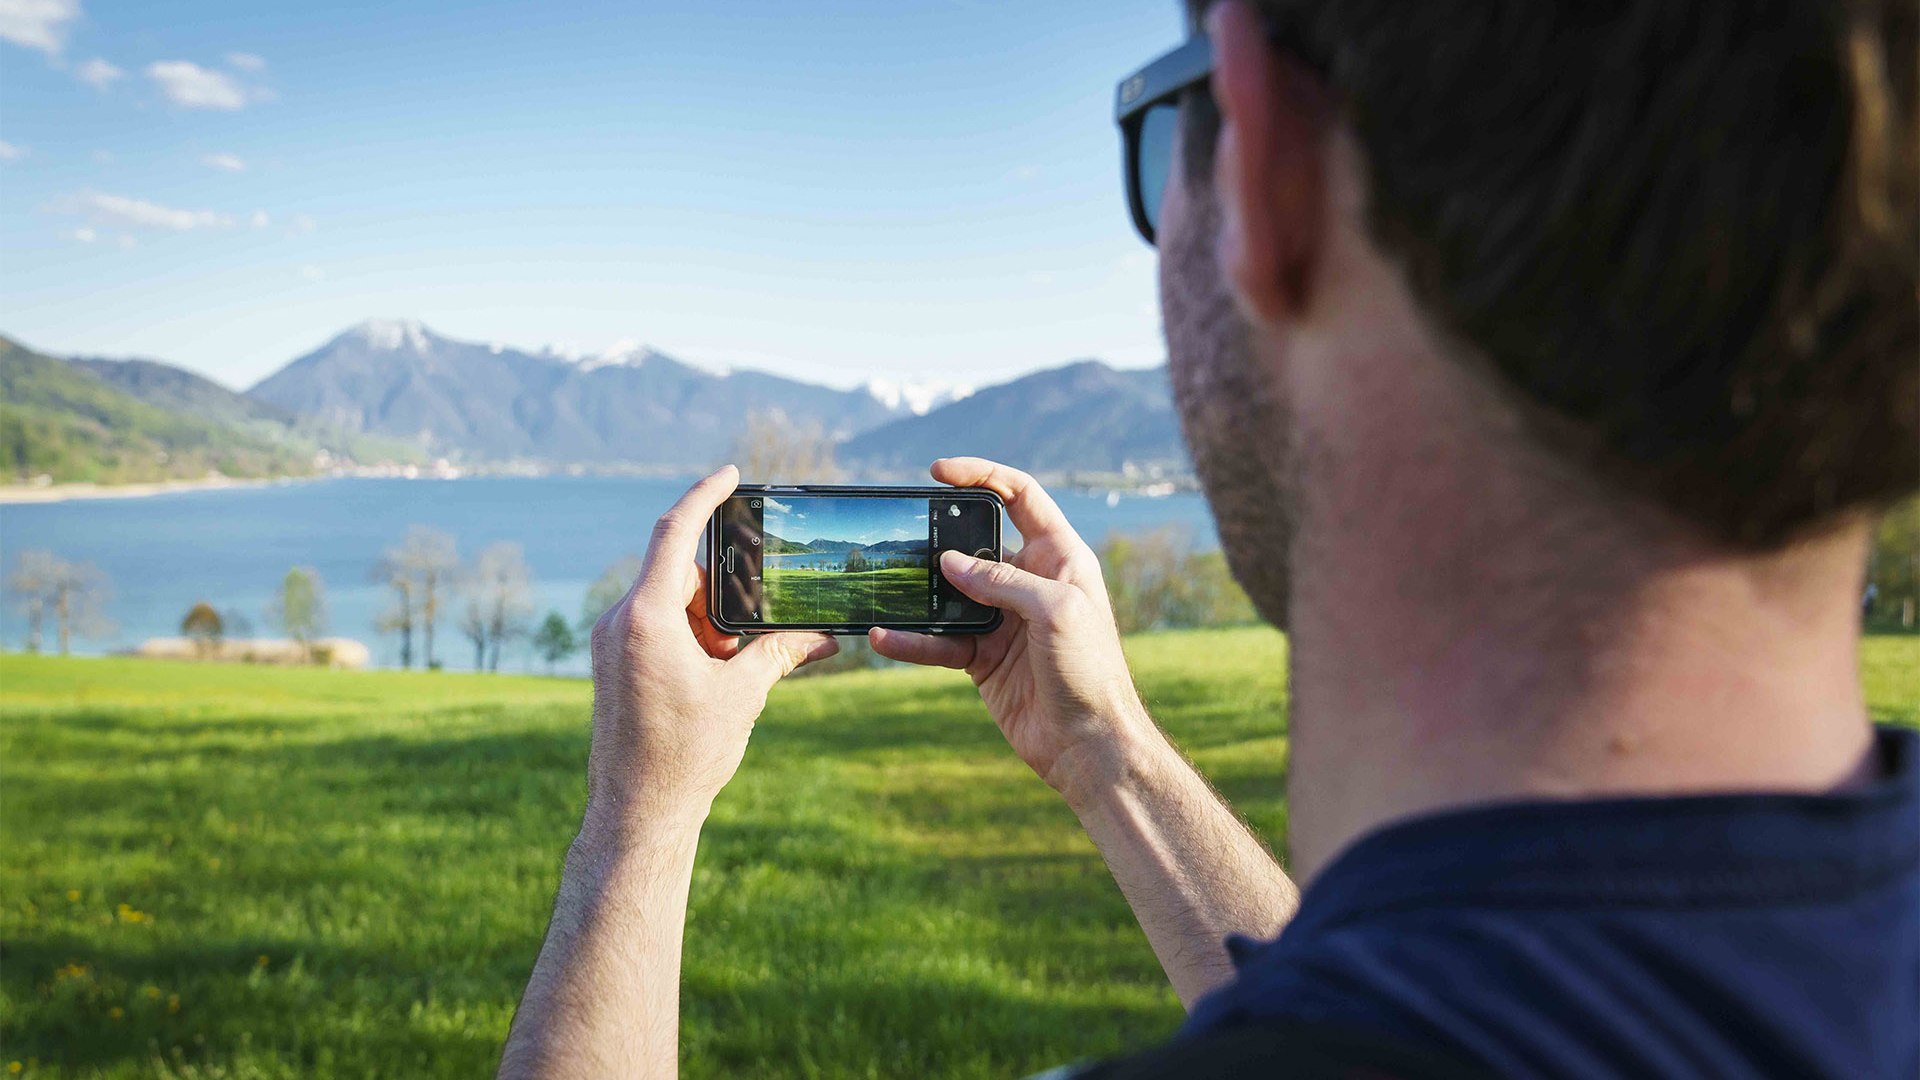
x: 473, y: 626
x: 775, y: 448
x: 434, y: 560
x: 74, y: 594
x: 399, y: 617
x: 31, y: 585
x: 500, y: 598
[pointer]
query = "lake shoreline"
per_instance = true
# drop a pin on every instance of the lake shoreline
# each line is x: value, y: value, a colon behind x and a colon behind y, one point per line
x: 27, y: 494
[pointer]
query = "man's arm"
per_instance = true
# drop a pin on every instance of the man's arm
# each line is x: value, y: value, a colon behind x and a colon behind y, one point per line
x: 1190, y: 869
x: 673, y: 704
x: 604, y: 998
x: 1055, y: 681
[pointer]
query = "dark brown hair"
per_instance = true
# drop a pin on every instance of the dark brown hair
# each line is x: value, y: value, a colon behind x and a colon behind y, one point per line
x: 1683, y: 232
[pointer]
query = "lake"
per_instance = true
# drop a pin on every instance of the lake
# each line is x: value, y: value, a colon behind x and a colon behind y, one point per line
x: 231, y: 547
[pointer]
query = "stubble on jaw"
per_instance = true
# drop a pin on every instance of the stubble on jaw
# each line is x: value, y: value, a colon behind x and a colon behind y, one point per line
x: 1233, y: 411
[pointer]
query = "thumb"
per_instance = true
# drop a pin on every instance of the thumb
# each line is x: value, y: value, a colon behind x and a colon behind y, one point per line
x: 1003, y: 585
x: 768, y: 658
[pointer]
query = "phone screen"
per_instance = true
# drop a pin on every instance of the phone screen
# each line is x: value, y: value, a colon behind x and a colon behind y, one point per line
x: 795, y: 559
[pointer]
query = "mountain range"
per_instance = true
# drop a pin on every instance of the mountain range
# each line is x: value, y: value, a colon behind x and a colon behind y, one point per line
x: 394, y: 390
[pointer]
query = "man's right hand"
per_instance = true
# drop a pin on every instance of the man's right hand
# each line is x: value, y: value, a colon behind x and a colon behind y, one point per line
x: 1052, y: 674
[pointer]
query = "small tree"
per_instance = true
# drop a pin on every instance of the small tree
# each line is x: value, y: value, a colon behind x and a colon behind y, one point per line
x: 608, y: 590
x: 773, y: 447
x: 554, y: 641
x: 1893, y: 570
x: 204, y: 627
x: 856, y: 561
x: 1155, y: 579
x: 300, y: 608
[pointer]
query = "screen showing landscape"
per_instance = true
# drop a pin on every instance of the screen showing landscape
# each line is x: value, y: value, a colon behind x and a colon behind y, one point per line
x: 837, y: 559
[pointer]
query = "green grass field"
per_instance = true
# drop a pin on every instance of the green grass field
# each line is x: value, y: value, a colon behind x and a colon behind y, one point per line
x: 794, y: 594
x: 239, y: 872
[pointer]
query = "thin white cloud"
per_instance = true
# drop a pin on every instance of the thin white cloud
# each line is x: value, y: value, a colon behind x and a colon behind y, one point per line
x: 224, y: 162
x: 10, y: 152
x: 259, y: 220
x: 247, y: 61
x: 141, y: 214
x: 301, y: 225
x: 85, y: 234
x: 191, y: 86
x: 775, y: 504
x: 97, y: 73
x: 312, y: 273
x: 128, y: 243
x: 37, y: 24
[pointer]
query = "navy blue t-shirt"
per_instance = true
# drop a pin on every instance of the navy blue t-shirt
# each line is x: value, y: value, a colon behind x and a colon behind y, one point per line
x: 1723, y: 936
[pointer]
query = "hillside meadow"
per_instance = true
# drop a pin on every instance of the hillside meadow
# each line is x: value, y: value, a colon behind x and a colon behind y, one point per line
x: 239, y: 872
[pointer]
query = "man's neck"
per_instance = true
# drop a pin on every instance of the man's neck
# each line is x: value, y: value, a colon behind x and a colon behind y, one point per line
x: 1508, y: 661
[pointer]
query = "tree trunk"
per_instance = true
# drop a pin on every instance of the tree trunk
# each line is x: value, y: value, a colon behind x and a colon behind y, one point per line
x: 36, y: 614
x: 406, y: 647
x: 479, y: 654
x: 429, y: 614
x: 493, y: 663
x: 63, y: 614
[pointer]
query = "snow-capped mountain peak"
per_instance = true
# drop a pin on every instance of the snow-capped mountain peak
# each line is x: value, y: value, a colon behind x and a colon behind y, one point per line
x: 917, y: 398
x: 390, y: 334
x: 626, y: 352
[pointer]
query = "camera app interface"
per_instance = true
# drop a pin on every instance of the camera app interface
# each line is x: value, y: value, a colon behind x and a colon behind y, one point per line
x: 831, y: 559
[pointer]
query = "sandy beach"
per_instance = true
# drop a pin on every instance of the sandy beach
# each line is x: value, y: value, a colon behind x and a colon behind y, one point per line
x: 47, y: 493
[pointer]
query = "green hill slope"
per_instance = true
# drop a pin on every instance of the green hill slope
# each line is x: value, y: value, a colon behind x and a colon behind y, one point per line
x: 58, y: 420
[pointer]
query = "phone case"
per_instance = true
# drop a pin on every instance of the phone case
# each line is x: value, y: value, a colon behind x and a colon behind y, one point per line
x: 909, y: 491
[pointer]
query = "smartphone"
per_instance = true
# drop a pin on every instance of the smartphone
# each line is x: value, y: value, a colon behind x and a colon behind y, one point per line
x: 845, y: 559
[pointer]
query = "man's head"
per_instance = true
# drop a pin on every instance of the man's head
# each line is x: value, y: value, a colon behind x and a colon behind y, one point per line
x: 1675, y: 242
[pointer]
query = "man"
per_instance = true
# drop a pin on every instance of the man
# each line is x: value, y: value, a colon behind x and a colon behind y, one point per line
x: 1545, y: 365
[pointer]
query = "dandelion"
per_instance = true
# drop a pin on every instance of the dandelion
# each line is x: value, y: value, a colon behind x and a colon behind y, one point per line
x: 153, y: 993
x: 262, y: 961
x: 173, y: 1003
x: 74, y: 896
x: 14, y: 1067
x: 116, y: 1012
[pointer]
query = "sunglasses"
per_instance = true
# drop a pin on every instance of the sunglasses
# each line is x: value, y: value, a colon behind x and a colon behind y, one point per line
x: 1147, y: 108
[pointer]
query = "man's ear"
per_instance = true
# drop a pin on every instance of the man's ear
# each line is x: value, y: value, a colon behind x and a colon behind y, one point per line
x: 1268, y: 165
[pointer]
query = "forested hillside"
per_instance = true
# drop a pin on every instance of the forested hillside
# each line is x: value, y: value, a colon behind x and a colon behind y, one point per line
x: 60, y: 421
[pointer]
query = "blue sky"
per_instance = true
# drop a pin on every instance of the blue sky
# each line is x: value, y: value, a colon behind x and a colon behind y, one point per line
x: 858, y: 521
x: 839, y: 190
